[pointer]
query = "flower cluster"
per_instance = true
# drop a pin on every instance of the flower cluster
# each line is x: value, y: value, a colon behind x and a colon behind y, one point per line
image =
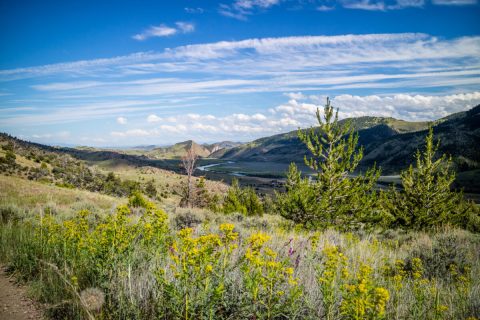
x: 362, y: 299
x: 269, y: 281
x: 198, y: 265
x: 333, y: 268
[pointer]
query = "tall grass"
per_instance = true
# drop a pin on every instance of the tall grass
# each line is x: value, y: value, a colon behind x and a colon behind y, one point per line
x: 137, y: 263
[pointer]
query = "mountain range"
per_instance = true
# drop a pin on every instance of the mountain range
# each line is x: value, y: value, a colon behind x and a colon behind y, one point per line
x: 388, y: 142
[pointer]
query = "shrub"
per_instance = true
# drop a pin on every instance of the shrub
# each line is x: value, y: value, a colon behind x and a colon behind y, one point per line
x: 187, y: 219
x: 137, y: 200
x: 243, y: 200
x: 446, y: 250
x: 9, y: 214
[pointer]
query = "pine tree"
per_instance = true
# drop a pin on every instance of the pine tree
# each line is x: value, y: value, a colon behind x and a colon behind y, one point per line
x: 340, y: 198
x: 241, y: 200
x: 201, y: 197
x: 252, y: 202
x: 297, y: 203
x: 427, y: 199
x: 232, y: 201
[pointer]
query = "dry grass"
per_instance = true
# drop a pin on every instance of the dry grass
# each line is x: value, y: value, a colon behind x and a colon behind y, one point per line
x: 31, y: 194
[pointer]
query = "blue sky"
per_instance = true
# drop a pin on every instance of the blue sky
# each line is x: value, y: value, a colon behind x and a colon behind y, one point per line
x: 117, y: 73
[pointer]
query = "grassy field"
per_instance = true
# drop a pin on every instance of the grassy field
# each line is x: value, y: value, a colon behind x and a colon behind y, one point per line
x: 138, y: 262
x: 30, y: 195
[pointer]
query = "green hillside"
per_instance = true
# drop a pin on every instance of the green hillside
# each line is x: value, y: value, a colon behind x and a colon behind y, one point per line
x: 388, y: 142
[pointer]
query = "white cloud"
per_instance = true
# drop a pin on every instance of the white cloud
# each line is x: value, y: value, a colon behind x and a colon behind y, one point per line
x: 381, y: 5
x: 454, y: 2
x: 185, y: 27
x: 164, y: 30
x: 42, y: 136
x: 153, y: 118
x: 62, y: 86
x: 294, y: 114
x: 259, y: 117
x: 122, y: 120
x: 305, y: 57
x: 130, y: 133
x: 295, y: 95
x: 56, y: 135
x: 371, y: 5
x: 401, y: 106
x: 240, y: 9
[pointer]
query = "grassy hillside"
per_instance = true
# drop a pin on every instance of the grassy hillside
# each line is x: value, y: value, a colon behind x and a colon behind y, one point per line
x: 26, y: 194
x: 459, y: 137
x: 178, y: 150
x: 388, y: 142
x: 288, y: 148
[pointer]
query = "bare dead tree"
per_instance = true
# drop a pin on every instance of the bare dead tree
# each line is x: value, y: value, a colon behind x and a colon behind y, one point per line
x: 189, y: 164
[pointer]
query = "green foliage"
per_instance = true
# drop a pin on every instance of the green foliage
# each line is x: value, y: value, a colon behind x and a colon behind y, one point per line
x: 10, y: 158
x: 426, y: 199
x: 243, y: 200
x: 150, y: 189
x: 444, y: 252
x: 298, y: 201
x: 337, y: 197
x: 137, y: 200
x: 232, y: 202
x: 199, y: 196
x: 9, y: 214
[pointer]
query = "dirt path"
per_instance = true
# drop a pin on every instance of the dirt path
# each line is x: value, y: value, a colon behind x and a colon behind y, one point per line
x: 14, y: 303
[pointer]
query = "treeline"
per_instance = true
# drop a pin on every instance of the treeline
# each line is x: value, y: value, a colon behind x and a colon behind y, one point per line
x: 340, y: 197
x: 65, y: 171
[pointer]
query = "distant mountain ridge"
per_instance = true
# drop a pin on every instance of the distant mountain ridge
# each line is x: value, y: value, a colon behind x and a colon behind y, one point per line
x: 388, y: 142
x: 178, y: 150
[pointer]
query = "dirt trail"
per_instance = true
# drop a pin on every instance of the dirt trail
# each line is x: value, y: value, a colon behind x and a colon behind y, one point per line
x: 14, y: 303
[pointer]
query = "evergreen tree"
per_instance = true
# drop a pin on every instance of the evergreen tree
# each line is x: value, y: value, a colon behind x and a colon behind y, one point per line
x: 241, y: 200
x: 252, y: 202
x: 201, y: 197
x: 298, y: 201
x: 337, y: 197
x: 232, y: 201
x: 427, y: 199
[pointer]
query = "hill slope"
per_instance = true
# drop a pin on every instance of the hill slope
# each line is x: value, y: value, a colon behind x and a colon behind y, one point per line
x: 389, y: 142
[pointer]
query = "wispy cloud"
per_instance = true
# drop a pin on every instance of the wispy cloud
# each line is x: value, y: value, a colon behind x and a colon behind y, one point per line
x: 240, y: 9
x: 381, y: 5
x: 62, y: 86
x: 324, y: 8
x: 267, y: 56
x: 168, y: 89
x: 454, y: 2
x: 196, y: 10
x: 164, y: 30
